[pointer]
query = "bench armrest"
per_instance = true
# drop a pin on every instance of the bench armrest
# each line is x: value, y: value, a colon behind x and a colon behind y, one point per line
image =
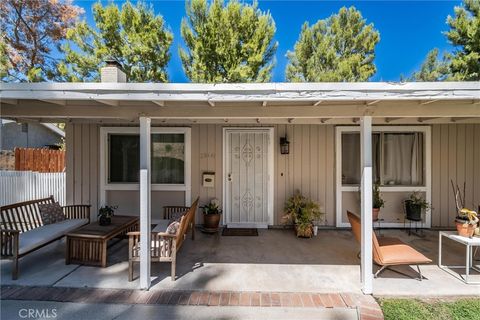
x: 77, y: 211
x: 9, y: 242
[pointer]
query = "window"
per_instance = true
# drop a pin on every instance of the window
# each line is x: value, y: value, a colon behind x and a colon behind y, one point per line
x: 398, y: 158
x: 168, y: 158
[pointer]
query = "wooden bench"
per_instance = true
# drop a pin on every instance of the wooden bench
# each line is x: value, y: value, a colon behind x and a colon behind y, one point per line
x: 164, y: 246
x: 22, y: 221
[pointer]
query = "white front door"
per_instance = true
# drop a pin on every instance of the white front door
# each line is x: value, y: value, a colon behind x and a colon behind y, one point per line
x: 248, y: 156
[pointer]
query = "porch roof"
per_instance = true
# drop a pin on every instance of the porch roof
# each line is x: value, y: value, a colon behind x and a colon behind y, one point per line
x: 255, y: 101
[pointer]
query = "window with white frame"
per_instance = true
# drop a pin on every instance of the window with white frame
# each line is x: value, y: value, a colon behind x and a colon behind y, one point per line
x: 398, y: 158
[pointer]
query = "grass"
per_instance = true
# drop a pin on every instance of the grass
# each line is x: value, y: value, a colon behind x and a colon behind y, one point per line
x: 415, y: 309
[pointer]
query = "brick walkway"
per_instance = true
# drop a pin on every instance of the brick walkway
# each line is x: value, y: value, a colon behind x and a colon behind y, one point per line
x: 369, y: 309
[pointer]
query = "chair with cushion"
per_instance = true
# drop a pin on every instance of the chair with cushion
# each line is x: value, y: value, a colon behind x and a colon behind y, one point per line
x: 388, y: 252
x: 166, y: 238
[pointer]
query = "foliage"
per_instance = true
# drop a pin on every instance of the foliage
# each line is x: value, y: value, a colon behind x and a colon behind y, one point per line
x: 227, y: 43
x: 377, y: 201
x: 133, y: 35
x: 301, y: 211
x: 467, y: 216
x: 432, y: 68
x: 213, y: 207
x: 339, y: 48
x: 107, y: 211
x: 413, y: 309
x: 464, y: 34
x: 416, y: 199
x: 28, y: 30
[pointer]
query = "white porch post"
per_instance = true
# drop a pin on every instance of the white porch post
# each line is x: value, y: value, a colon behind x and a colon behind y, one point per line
x: 366, y: 204
x: 145, y: 203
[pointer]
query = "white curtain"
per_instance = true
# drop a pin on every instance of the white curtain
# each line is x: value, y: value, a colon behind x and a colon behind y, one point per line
x: 402, y: 162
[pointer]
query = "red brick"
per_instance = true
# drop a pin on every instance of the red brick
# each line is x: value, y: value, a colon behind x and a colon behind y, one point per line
x: 317, y: 301
x: 204, y: 297
x: 275, y: 300
x: 349, y: 300
x: 366, y: 317
x: 307, y: 300
x: 194, y: 298
x: 166, y: 295
x: 184, y: 297
x: 153, y: 297
x: 296, y: 300
x: 224, y: 298
x: 286, y: 299
x: 234, y: 299
x: 174, y: 298
x: 377, y: 312
x: 255, y: 299
x: 214, y: 299
x: 327, y: 302
x: 337, y: 301
x: 245, y: 299
x: 265, y: 300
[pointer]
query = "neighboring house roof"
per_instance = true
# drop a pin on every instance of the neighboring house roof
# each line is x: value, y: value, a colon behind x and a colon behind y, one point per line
x: 49, y: 126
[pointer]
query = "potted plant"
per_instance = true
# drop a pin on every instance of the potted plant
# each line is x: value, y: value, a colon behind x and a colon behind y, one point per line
x: 466, y: 220
x: 414, y: 206
x: 211, y: 216
x: 377, y: 201
x: 302, y: 212
x: 105, y: 215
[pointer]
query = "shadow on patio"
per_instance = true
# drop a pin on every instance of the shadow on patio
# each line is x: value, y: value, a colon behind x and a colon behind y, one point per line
x: 274, y: 261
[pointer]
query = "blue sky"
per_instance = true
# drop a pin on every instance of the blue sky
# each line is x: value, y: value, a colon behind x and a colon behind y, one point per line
x: 408, y: 30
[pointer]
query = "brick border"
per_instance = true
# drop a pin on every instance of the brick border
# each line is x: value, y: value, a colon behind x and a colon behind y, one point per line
x: 367, y: 306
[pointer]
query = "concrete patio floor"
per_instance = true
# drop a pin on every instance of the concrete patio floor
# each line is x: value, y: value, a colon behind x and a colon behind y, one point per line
x: 275, y: 261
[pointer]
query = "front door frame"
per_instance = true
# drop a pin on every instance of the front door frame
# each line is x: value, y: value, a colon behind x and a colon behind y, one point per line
x: 270, y: 171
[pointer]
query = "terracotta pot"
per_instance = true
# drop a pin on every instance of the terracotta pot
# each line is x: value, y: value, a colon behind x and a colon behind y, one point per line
x: 465, y: 229
x: 304, y: 232
x: 211, y: 221
x: 375, y: 213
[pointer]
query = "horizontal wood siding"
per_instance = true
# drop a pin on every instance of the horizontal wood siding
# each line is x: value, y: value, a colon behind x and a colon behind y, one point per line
x: 455, y: 156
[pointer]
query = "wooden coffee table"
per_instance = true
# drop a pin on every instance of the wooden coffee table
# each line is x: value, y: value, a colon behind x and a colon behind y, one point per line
x: 88, y: 245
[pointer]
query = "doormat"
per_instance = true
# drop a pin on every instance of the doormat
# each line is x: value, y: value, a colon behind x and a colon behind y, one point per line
x: 240, y: 232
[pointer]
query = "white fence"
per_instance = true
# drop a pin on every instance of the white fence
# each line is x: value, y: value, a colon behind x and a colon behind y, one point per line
x: 18, y: 186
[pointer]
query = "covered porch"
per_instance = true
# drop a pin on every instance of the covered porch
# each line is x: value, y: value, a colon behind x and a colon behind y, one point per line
x: 325, y: 263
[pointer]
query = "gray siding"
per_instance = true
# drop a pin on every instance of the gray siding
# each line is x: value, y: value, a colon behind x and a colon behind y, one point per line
x: 310, y: 166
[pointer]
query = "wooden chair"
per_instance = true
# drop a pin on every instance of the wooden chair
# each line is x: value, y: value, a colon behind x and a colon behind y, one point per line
x: 388, y: 252
x: 164, y: 246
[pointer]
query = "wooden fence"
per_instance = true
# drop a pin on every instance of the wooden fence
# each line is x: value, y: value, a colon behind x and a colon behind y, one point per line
x: 18, y: 186
x: 39, y: 159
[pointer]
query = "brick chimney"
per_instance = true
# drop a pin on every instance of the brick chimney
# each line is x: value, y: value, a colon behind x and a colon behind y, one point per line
x: 112, y: 72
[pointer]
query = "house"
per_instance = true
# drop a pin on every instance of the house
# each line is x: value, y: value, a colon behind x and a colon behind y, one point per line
x: 29, y: 134
x: 143, y: 145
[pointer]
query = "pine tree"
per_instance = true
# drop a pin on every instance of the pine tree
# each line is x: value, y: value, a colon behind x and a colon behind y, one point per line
x: 227, y: 43
x: 339, y: 48
x: 133, y: 35
x: 432, y: 68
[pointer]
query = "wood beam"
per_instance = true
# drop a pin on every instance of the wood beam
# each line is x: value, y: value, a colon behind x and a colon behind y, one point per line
x: 145, y: 202
x: 9, y: 101
x: 424, y: 103
x: 264, y: 103
x: 160, y: 103
x: 390, y: 120
x: 324, y: 120
x: 112, y: 103
x: 57, y: 102
x: 211, y: 103
x: 371, y: 103
x: 318, y: 103
x: 290, y: 120
x: 459, y: 119
x: 427, y: 119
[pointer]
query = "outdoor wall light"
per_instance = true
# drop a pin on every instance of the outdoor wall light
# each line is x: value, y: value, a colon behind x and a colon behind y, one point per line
x: 284, y: 145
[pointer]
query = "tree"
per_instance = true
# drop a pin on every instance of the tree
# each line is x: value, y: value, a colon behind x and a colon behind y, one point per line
x: 227, y: 43
x: 432, y: 68
x: 134, y: 36
x: 464, y: 34
x: 339, y: 48
x: 28, y: 29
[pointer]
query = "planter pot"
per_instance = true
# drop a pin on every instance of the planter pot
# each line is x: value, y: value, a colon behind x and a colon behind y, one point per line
x: 304, y: 232
x: 414, y: 212
x: 104, y: 221
x: 211, y: 222
x: 375, y: 213
x: 465, y: 229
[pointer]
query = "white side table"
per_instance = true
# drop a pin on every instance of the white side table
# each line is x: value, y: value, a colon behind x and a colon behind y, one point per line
x: 469, y: 244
